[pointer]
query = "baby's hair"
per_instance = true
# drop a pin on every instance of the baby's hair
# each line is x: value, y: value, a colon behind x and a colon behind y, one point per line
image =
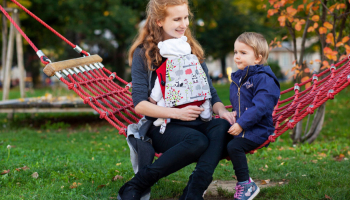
x: 258, y: 42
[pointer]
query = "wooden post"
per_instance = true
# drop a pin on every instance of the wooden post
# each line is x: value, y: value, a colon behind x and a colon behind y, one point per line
x: 4, y: 42
x: 9, y: 57
x: 19, y: 48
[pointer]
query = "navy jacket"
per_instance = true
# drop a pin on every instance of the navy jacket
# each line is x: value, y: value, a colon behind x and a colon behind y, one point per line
x: 259, y: 93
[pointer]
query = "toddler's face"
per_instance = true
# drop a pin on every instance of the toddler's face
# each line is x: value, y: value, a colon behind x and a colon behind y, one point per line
x: 244, y: 55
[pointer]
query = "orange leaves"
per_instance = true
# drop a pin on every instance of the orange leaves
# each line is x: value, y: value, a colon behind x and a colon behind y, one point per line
x: 291, y: 11
x: 344, y: 40
x: 322, y: 30
x: 347, y: 48
x: 299, y: 24
x: 271, y: 12
x: 330, y: 54
x: 282, y: 20
x: 330, y: 38
x: 325, y: 64
x: 328, y: 25
x: 315, y: 18
x: 312, y: 28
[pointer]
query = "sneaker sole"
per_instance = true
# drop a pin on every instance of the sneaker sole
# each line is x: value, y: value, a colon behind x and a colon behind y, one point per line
x: 255, y: 193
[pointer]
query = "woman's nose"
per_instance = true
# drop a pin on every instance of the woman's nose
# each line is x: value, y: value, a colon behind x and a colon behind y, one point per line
x: 183, y: 24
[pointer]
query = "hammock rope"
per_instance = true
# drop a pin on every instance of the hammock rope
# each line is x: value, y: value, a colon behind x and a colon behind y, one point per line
x: 94, y: 84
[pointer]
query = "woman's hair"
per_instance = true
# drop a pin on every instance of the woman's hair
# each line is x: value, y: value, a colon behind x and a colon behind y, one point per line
x: 150, y: 34
x: 257, y: 42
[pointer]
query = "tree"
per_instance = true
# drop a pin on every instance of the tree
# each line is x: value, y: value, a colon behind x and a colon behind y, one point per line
x: 224, y: 21
x: 78, y: 21
x: 325, y: 19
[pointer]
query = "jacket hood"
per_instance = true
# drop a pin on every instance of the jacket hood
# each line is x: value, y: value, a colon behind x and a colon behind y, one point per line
x: 252, y: 70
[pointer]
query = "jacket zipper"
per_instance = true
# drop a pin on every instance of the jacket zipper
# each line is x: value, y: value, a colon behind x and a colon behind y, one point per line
x: 239, y: 96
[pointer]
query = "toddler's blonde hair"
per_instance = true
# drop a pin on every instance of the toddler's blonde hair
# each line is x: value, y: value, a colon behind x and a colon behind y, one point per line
x: 258, y: 42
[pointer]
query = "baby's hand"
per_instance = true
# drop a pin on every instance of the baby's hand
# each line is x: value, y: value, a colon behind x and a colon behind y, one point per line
x: 152, y: 100
x: 235, y: 129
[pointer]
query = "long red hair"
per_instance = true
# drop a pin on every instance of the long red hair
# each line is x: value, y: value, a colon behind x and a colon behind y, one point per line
x: 150, y: 34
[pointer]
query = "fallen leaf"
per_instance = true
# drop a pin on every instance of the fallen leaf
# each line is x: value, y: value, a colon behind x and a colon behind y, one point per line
x: 327, y: 197
x: 18, y: 169
x: 25, y: 168
x: 35, y: 175
x: 314, y: 161
x: 303, y: 175
x: 118, y: 164
x: 100, y: 186
x: 340, y: 157
x: 279, y: 157
x: 234, y: 176
x: 117, y: 177
x: 288, y: 173
x: 75, y: 185
x: 5, y: 172
x: 281, y: 183
x: 264, y: 182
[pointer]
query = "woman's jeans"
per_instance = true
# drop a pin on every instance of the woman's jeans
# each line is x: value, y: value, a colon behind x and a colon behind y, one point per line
x: 204, y: 142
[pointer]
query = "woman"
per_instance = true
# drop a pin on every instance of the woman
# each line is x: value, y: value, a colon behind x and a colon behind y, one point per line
x: 186, y: 139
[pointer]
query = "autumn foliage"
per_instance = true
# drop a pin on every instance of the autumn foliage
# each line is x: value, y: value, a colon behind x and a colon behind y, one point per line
x: 325, y: 19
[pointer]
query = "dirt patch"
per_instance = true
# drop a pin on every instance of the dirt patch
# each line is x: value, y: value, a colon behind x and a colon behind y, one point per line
x: 228, y: 186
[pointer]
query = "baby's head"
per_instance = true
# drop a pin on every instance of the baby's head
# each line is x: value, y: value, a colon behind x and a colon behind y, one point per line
x: 250, y: 49
x: 174, y: 47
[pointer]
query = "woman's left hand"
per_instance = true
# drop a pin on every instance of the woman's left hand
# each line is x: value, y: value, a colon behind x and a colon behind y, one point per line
x: 229, y: 116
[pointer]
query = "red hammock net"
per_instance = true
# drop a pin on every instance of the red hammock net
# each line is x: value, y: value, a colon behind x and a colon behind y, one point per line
x: 95, y: 85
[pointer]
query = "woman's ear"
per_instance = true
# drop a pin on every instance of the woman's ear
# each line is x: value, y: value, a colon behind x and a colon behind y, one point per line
x: 159, y: 23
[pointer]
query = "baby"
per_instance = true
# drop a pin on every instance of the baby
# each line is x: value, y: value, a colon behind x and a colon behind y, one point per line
x: 178, y: 53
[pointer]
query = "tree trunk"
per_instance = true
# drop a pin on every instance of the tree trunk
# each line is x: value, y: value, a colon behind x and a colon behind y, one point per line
x: 4, y: 41
x: 223, y: 66
x: 119, y: 64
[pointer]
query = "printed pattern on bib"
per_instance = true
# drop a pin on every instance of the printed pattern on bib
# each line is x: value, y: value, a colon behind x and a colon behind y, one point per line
x: 186, y: 81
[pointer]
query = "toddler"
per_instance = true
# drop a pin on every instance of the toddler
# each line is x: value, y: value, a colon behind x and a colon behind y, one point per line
x: 254, y: 92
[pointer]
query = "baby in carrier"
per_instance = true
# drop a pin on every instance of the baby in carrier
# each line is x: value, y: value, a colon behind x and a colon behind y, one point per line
x: 181, y: 80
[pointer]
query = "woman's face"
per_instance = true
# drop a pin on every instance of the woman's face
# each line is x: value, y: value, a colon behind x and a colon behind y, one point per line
x: 176, y: 22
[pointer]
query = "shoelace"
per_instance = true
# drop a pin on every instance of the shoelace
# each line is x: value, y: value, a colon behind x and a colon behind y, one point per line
x: 239, y: 191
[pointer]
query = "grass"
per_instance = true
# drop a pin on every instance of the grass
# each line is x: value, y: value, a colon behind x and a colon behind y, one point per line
x: 77, y: 155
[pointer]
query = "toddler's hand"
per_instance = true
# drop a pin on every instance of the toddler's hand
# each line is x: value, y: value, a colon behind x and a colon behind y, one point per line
x: 235, y: 129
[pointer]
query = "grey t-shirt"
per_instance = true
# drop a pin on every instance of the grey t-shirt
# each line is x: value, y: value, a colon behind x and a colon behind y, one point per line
x: 141, y: 81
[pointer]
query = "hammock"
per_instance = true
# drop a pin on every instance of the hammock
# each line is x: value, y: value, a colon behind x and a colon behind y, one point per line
x: 95, y: 84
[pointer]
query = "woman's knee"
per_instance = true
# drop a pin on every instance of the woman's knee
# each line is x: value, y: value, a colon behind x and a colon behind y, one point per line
x: 197, y: 144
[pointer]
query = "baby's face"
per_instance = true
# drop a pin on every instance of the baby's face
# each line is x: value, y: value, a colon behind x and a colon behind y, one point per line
x: 244, y: 55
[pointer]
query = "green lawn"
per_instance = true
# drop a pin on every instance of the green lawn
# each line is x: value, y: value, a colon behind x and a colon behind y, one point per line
x: 77, y: 155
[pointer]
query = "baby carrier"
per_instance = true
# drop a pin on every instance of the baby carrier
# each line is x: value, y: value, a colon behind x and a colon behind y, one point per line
x: 183, y: 82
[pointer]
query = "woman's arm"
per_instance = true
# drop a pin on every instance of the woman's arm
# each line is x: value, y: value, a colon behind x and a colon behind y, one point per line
x: 188, y: 113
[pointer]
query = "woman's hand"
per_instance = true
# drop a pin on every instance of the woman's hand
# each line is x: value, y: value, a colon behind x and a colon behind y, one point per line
x: 236, y: 129
x: 189, y: 113
x: 229, y: 116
